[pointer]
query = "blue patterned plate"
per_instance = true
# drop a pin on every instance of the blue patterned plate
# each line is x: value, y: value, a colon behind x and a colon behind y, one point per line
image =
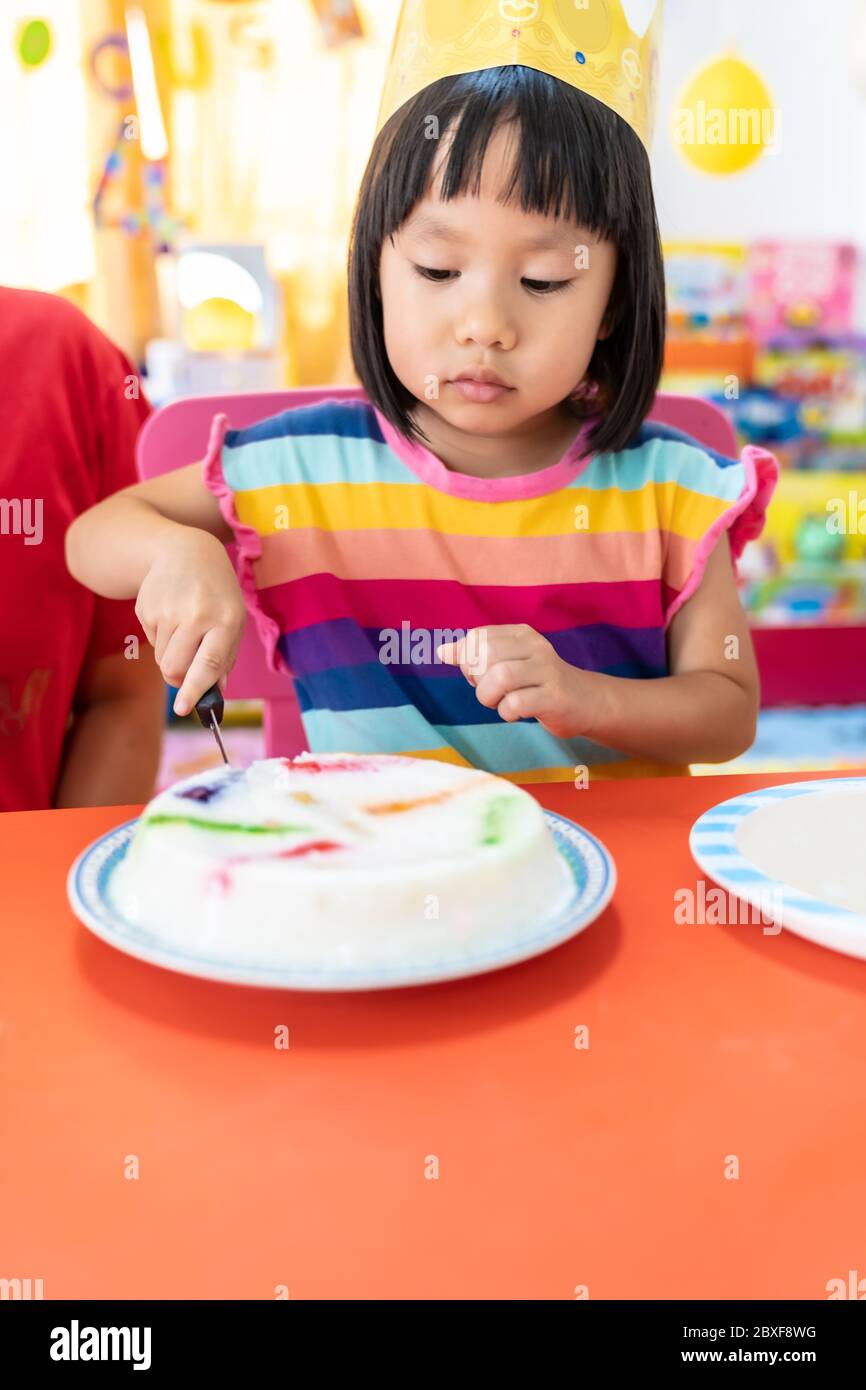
x: 796, y: 852
x: 588, y: 888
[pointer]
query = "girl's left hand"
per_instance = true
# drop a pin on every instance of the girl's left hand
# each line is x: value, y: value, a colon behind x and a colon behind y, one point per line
x: 518, y: 673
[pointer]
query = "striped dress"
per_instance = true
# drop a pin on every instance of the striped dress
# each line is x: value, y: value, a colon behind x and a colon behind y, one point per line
x: 359, y: 552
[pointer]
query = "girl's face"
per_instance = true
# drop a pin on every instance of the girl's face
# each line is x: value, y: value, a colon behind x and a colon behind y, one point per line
x: 518, y: 293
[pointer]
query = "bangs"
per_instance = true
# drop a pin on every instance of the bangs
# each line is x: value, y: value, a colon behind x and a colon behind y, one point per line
x: 564, y: 143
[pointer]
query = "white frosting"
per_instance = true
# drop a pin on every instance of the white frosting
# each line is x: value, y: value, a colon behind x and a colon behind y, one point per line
x: 431, y: 862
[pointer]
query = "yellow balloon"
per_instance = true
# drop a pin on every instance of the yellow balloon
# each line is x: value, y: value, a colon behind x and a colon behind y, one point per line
x: 219, y: 325
x: 724, y: 119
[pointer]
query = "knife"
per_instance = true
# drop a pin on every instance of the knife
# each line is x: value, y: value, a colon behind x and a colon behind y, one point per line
x: 210, y: 711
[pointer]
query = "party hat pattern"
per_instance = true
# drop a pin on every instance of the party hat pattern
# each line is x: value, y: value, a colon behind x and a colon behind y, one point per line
x: 607, y: 48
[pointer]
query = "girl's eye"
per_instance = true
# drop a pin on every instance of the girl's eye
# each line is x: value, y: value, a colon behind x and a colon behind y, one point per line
x: 437, y: 276
x: 440, y: 277
x: 546, y: 286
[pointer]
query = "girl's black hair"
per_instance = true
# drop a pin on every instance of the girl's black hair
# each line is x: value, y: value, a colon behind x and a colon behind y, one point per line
x: 578, y: 159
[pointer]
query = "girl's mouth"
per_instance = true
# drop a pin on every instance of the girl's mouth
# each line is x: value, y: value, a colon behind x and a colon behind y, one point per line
x: 482, y: 392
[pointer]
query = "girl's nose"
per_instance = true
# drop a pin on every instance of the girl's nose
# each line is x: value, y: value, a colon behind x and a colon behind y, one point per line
x: 487, y: 328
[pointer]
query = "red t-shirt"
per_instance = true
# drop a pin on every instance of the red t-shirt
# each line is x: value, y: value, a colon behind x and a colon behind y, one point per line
x: 68, y: 423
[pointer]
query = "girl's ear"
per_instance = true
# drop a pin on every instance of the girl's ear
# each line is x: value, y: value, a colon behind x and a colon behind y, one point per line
x: 608, y: 323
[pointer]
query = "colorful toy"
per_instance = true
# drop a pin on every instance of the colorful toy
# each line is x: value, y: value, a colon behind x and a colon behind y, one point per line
x: 706, y: 286
x: 815, y: 543
x: 823, y: 596
x: 148, y: 127
x: 759, y: 561
x: 806, y: 286
x: 817, y: 587
x: 824, y: 383
x: 152, y: 216
x: 116, y: 90
x: 760, y: 417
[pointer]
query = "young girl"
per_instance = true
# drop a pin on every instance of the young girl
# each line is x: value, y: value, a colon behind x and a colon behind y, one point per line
x: 493, y: 559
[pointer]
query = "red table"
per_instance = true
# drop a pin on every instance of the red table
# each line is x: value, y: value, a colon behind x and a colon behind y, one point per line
x: 558, y: 1167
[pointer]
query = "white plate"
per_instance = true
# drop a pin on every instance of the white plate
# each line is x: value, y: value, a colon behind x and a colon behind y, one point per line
x: 591, y: 883
x: 798, y: 850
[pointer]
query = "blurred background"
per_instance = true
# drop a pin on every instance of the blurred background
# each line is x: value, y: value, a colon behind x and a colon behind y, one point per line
x: 185, y: 172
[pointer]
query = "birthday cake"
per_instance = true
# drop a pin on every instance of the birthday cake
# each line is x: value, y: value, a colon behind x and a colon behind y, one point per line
x: 340, y: 861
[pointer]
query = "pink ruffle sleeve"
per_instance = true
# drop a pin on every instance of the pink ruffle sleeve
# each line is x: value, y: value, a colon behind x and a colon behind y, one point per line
x: 744, y: 520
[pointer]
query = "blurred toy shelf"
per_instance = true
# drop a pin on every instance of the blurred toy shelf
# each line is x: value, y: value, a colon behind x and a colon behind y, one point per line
x: 766, y: 331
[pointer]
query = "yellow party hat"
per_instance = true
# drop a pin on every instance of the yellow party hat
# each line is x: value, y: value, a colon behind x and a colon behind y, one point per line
x: 607, y: 48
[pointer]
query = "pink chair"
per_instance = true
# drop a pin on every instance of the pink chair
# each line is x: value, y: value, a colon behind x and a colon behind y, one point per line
x: 178, y: 435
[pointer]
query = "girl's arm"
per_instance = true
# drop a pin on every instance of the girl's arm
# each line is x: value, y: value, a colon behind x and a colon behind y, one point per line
x: 111, y: 547
x: 163, y: 541
x: 707, y: 709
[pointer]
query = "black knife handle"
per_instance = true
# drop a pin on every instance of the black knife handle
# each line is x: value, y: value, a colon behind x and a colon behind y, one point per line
x: 211, y: 700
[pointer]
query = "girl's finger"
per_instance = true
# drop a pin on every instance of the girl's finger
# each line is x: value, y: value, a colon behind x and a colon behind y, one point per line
x: 164, y: 634
x: 212, y: 660
x: 150, y: 632
x: 179, y: 654
x: 526, y: 698
x: 501, y: 679
x: 484, y: 647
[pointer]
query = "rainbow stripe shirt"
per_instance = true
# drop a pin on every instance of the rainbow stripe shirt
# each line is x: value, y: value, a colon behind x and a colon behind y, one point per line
x: 359, y: 552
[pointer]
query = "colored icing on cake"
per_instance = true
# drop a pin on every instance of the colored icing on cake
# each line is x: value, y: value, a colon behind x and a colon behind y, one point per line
x: 340, y: 860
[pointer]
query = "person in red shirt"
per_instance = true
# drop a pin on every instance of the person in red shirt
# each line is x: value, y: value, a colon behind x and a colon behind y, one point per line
x: 81, y: 699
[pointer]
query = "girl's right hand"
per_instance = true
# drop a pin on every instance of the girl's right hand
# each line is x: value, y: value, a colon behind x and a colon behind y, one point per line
x: 192, y: 612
